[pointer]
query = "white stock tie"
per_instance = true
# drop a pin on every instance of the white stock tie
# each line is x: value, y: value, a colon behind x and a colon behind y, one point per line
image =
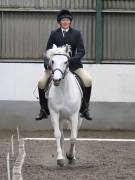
x: 64, y: 33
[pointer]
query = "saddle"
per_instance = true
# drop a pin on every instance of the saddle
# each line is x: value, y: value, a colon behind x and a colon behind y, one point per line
x: 81, y: 84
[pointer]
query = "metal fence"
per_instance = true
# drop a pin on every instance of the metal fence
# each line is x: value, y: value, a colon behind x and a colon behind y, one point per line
x: 26, y: 24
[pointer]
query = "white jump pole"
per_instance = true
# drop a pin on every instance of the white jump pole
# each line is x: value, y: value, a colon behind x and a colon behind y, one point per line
x: 12, y: 145
x: 8, y: 166
x: 17, y: 174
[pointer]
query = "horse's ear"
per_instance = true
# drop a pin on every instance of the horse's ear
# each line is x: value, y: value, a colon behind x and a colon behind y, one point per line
x: 54, y: 46
x: 68, y: 50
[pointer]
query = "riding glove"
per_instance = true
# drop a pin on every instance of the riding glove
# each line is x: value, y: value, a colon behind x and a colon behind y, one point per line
x: 46, y: 63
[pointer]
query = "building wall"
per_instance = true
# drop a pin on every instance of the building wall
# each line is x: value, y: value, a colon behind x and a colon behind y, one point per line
x: 26, y: 25
x: 111, y: 83
x: 24, y: 29
x: 24, y: 34
x: 56, y: 4
x: 112, y: 103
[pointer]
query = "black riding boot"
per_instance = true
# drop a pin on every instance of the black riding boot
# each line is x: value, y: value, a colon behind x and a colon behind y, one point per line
x: 85, y: 104
x: 44, y: 111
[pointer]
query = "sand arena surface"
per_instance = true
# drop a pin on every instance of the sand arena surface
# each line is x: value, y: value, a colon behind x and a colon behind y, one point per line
x: 95, y: 160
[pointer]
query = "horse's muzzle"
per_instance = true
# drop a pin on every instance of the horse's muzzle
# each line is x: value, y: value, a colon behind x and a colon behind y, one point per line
x: 56, y: 82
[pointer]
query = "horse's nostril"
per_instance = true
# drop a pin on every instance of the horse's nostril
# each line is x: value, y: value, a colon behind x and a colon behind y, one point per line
x: 56, y: 82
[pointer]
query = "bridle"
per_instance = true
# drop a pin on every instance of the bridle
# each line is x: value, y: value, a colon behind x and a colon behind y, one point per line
x: 58, y: 69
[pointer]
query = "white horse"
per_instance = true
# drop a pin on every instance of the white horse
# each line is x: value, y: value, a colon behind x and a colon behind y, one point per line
x: 64, y: 101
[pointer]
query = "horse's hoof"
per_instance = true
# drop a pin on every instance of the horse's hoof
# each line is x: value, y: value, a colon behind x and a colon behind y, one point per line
x: 72, y: 161
x: 69, y: 157
x: 60, y: 162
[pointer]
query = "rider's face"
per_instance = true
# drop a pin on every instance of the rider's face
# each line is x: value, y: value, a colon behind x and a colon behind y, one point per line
x: 65, y: 23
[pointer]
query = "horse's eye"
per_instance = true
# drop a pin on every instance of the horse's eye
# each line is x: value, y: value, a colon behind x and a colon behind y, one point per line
x: 52, y: 62
x: 66, y: 62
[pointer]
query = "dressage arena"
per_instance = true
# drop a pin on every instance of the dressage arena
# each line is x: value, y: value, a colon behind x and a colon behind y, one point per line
x: 27, y: 147
x: 101, y: 155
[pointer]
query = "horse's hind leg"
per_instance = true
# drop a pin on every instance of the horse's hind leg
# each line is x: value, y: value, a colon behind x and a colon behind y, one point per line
x: 57, y: 134
x: 74, y: 131
x: 71, y: 154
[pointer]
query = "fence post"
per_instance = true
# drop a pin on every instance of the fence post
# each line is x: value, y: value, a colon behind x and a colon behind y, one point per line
x: 98, y: 31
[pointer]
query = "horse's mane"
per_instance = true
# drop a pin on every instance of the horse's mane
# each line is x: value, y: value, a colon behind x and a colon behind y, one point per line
x: 66, y: 50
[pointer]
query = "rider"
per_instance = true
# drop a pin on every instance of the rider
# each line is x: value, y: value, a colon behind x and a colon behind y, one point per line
x: 62, y: 36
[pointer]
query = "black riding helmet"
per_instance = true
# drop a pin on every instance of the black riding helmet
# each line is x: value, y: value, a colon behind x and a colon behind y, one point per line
x: 64, y: 13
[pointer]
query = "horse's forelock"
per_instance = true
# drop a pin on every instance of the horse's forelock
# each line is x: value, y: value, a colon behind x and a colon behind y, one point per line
x: 59, y: 50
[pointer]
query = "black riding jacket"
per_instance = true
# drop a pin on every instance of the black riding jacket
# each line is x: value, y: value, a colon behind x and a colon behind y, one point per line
x: 73, y: 37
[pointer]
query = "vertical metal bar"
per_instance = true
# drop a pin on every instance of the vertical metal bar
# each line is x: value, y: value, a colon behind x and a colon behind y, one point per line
x: 1, y: 35
x: 98, y: 31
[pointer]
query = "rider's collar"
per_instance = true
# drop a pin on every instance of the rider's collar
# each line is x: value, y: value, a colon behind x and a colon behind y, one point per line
x: 65, y: 29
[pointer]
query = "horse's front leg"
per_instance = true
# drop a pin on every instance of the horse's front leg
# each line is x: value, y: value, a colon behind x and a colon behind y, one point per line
x: 62, y: 137
x: 57, y: 135
x: 74, y: 131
